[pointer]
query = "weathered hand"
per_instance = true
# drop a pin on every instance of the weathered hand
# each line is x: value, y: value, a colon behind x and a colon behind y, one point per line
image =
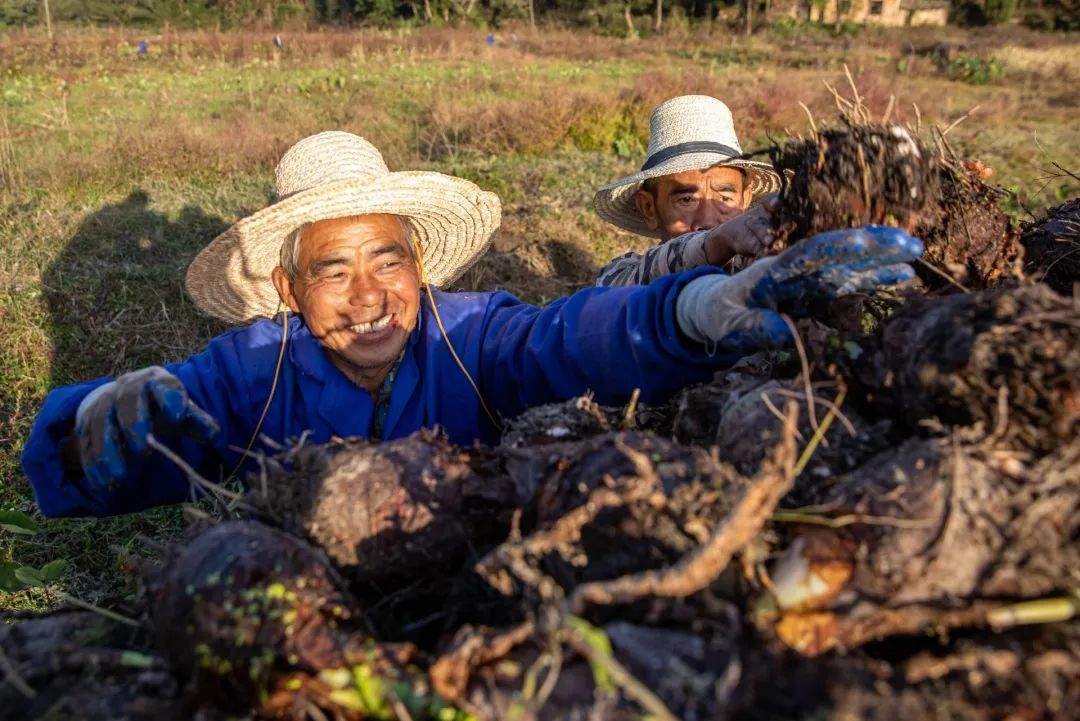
x: 113, y: 422
x: 748, y: 234
x: 739, y: 313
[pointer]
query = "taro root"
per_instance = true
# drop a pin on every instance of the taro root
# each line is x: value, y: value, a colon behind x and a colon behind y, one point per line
x: 970, y: 242
x: 382, y: 510
x: 1007, y: 359
x: 740, y: 415
x: 851, y: 176
x: 648, y: 501
x: 881, y: 174
x: 82, y: 666
x: 934, y: 534
x: 1052, y: 248
x: 241, y: 606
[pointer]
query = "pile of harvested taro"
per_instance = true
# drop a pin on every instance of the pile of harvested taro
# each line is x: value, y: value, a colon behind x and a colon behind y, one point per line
x: 883, y: 523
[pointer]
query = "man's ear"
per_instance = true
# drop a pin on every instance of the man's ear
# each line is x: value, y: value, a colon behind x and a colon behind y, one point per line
x: 646, y: 205
x: 285, y: 289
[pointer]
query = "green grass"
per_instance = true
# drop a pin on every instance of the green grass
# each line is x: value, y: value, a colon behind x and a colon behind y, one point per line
x: 124, y: 169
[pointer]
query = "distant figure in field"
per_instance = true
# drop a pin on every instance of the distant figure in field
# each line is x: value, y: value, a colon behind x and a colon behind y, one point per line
x: 691, y: 192
x: 279, y: 43
x: 143, y: 47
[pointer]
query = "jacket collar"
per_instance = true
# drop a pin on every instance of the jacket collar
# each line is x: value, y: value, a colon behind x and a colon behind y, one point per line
x: 347, y: 408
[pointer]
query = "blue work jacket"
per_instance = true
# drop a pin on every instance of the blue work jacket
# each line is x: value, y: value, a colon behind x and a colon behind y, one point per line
x: 605, y: 340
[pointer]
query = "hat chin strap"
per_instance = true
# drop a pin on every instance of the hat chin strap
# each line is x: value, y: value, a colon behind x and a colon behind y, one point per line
x: 697, y: 146
x: 442, y: 329
x: 273, y: 387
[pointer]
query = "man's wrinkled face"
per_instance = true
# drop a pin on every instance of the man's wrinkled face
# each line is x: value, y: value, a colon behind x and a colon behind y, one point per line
x: 358, y: 288
x: 694, y: 200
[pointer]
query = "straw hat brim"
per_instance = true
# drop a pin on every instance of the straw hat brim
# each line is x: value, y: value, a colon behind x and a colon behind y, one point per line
x: 615, y: 201
x: 451, y: 219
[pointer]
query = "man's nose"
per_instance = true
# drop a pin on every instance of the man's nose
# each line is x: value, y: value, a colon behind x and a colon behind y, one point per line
x: 715, y: 212
x: 366, y: 291
x: 710, y: 214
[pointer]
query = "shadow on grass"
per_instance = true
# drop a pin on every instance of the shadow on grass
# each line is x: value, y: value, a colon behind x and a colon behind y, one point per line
x: 116, y: 302
x: 115, y: 294
x: 535, y: 272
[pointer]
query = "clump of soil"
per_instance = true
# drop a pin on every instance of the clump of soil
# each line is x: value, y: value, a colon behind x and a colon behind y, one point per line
x: 852, y: 176
x: 1007, y: 359
x: 1052, y: 248
x: 969, y: 240
x: 883, y: 175
x: 81, y: 666
x: 557, y: 423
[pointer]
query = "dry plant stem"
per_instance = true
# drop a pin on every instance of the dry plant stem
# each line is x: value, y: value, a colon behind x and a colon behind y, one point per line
x: 631, y: 408
x: 111, y: 615
x: 699, y: 568
x: 819, y: 434
x: 844, y: 420
x: 619, y: 676
x: 943, y: 274
x: 914, y: 619
x: 809, y: 116
x: 959, y: 120
x: 1043, y: 610
x: 193, y: 476
x: 850, y: 519
x: 805, y: 364
x: 778, y: 413
x: 11, y: 675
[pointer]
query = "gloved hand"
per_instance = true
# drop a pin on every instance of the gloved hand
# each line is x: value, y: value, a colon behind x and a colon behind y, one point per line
x: 748, y: 234
x: 113, y: 421
x: 738, y: 313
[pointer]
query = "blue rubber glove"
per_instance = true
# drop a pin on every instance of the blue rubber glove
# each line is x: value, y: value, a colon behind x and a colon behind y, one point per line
x: 113, y: 422
x: 741, y: 313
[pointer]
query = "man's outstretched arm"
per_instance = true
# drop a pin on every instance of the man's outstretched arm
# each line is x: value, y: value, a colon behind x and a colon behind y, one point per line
x: 678, y: 330
x: 679, y: 254
x: 747, y: 235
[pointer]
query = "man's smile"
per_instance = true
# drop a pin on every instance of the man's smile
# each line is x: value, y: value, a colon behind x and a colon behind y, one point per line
x: 374, y: 330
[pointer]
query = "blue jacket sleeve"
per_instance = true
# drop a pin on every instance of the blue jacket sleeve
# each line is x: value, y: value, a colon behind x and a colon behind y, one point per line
x: 605, y: 340
x: 215, y: 380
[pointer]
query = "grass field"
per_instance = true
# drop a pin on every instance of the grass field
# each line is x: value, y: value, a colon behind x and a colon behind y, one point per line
x: 115, y: 170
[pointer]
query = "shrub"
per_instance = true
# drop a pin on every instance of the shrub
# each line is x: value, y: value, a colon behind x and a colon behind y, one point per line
x: 975, y: 71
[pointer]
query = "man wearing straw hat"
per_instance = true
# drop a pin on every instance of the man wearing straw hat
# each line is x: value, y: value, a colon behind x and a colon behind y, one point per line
x: 363, y: 345
x: 691, y: 193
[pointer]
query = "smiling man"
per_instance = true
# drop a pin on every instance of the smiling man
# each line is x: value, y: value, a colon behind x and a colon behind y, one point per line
x: 691, y: 192
x: 349, y: 337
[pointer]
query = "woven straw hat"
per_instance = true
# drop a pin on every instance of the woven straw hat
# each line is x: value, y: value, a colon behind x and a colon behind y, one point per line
x: 333, y: 175
x: 690, y: 132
